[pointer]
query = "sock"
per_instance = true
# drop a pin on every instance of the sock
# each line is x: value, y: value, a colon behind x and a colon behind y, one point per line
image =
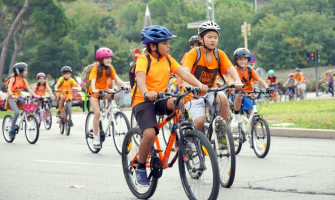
x: 141, y: 166
x: 236, y: 112
x: 96, y: 137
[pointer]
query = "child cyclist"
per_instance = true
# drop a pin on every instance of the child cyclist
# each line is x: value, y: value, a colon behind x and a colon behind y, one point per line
x: 272, y: 81
x: 17, y: 83
x: 156, y: 39
x: 206, y: 71
x: 65, y: 84
x: 300, y: 82
x: 40, y: 88
x: 291, y: 83
x: 241, y: 58
x: 99, y: 75
x: 193, y: 42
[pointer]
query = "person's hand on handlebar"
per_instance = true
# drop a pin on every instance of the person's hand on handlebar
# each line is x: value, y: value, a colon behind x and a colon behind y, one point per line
x: 95, y: 91
x: 203, y: 88
x: 238, y: 84
x: 269, y: 90
x: 152, y: 95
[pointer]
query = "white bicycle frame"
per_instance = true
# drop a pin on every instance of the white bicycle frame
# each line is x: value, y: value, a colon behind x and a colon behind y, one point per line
x: 20, y: 122
x: 110, y: 110
x: 244, y: 120
x: 216, y: 143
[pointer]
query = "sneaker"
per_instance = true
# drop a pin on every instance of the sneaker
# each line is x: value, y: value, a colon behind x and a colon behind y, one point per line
x: 142, y: 178
x: 58, y: 114
x: 96, y: 143
x: 234, y: 123
x: 36, y: 111
x: 11, y: 133
x: 47, y: 122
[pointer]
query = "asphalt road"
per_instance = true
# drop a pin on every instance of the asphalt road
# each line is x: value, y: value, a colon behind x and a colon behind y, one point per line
x: 294, y: 169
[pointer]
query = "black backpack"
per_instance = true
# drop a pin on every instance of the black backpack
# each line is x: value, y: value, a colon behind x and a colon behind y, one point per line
x: 132, y: 74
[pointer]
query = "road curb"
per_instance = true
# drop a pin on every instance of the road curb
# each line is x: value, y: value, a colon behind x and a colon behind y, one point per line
x: 302, y: 133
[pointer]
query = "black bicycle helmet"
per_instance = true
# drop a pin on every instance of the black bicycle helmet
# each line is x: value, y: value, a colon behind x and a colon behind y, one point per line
x: 194, y: 39
x: 66, y: 69
x: 241, y: 53
x: 297, y: 69
x: 19, y: 67
x: 210, y: 25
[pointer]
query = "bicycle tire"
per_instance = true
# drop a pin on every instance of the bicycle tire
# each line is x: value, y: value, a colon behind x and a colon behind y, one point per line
x: 255, y: 135
x: 68, y: 120
x: 32, y: 125
x: 239, y: 140
x: 199, y: 139
x: 89, y: 132
x: 118, y: 133
x: 133, y: 124
x: 6, y: 124
x: 39, y: 119
x: 226, y: 177
x: 47, y: 113
x: 61, y: 124
x: 165, y: 129
x: 128, y: 152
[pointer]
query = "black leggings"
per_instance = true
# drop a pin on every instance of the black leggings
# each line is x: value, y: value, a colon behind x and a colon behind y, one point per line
x: 87, y: 105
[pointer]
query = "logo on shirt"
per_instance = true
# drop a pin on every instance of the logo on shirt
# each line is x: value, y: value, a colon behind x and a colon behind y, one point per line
x: 205, y: 76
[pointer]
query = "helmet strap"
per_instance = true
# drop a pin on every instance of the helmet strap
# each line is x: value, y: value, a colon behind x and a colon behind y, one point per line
x: 157, y: 51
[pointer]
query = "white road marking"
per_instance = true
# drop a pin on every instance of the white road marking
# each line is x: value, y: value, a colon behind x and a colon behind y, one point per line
x: 76, y: 163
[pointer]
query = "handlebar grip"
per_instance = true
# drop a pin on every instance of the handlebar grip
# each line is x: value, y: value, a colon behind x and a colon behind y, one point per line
x: 188, y: 88
x: 146, y: 98
x: 196, y: 90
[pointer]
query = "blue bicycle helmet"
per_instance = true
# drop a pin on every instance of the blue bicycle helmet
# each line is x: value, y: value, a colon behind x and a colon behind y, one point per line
x: 155, y: 34
x: 271, y: 72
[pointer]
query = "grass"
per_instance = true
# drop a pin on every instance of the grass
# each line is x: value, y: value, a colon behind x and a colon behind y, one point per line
x: 311, y: 114
x: 53, y: 111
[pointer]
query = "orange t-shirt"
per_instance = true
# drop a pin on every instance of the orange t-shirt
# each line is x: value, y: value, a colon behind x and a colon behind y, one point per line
x: 245, y: 78
x: 19, y: 85
x: 40, y: 89
x: 299, y: 77
x: 157, y: 78
x: 110, y: 83
x: 66, y: 87
x: 101, y: 83
x: 184, y: 59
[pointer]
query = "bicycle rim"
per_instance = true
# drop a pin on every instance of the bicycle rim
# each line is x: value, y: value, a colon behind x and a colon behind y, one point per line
x: 201, y: 181
x: 120, y: 130
x: 32, y: 129
x: 47, y: 116
x: 61, y: 124
x: 239, y: 139
x: 68, y: 121
x: 133, y: 124
x: 129, y: 151
x: 89, y: 132
x: 6, y: 124
x: 261, y: 137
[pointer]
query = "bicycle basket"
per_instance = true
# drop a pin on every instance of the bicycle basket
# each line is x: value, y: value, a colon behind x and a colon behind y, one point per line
x: 29, y: 108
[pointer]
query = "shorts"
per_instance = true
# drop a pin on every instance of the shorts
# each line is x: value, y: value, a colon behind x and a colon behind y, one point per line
x: 303, y: 86
x: 145, y: 114
x: 274, y: 87
x: 197, y: 107
x: 248, y: 103
x: 69, y: 95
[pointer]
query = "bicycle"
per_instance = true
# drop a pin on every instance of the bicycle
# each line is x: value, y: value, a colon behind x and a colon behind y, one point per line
x: 250, y: 122
x: 65, y: 121
x: 111, y: 119
x: 45, y: 114
x: 322, y: 89
x: 194, y: 163
x: 31, y: 128
x: 289, y: 95
x: 220, y: 136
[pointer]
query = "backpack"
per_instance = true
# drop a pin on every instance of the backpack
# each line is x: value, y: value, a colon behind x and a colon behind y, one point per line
x: 7, y: 81
x: 132, y: 74
x: 216, y: 55
x: 85, y: 76
x: 250, y: 75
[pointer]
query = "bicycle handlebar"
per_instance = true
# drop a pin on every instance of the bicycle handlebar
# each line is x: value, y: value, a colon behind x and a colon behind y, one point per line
x: 72, y: 90
x: 108, y: 92
x: 225, y: 87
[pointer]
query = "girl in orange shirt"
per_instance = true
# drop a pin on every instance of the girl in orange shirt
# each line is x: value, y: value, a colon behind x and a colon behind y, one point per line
x: 17, y: 83
x: 40, y: 88
x: 99, y: 75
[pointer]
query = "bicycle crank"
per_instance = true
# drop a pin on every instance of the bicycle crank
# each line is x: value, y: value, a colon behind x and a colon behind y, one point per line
x: 156, y: 168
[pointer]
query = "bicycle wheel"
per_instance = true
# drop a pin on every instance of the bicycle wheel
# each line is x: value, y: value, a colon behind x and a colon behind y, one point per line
x: 165, y: 129
x: 120, y: 130
x: 89, y: 132
x: 61, y: 124
x: 129, y: 150
x: 201, y: 180
x: 6, y: 124
x: 239, y: 139
x: 68, y: 120
x: 47, y: 116
x: 32, y: 129
x: 226, y: 155
x: 39, y: 118
x: 133, y: 124
x: 261, y: 137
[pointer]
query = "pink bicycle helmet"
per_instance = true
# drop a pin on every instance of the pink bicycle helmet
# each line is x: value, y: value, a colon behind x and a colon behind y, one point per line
x: 103, y: 53
x: 40, y: 75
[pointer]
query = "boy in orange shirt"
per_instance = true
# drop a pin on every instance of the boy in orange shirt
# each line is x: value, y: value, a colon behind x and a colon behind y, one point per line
x: 156, y: 39
x: 301, y: 83
x: 206, y: 71
x: 65, y: 83
x: 40, y: 88
x: 17, y: 83
x: 241, y: 58
x: 99, y: 75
